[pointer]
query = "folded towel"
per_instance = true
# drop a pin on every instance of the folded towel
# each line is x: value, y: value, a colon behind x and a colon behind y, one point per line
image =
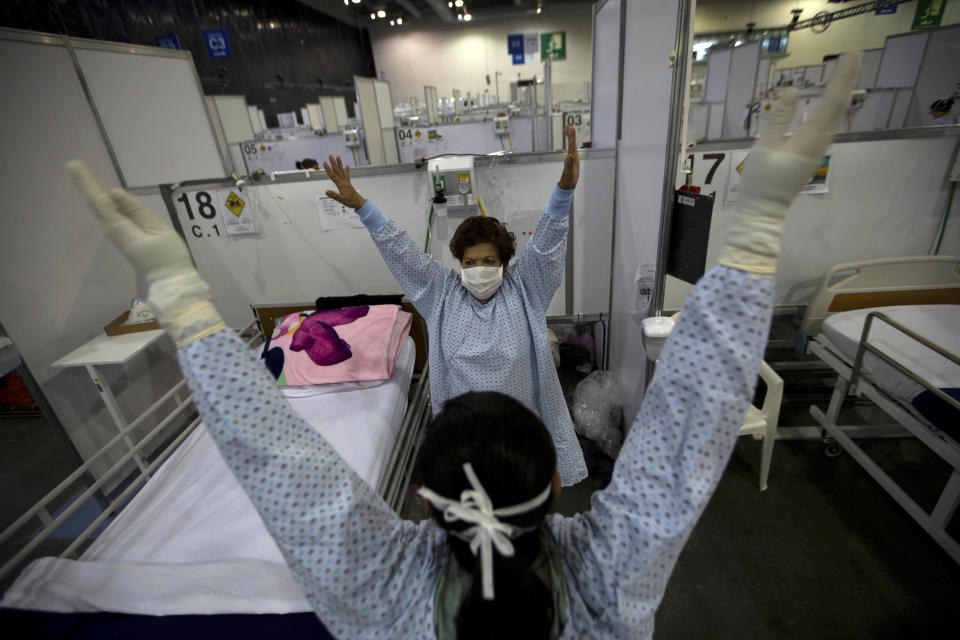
x: 354, y: 344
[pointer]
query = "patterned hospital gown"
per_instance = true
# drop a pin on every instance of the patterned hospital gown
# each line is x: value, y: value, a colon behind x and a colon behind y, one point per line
x: 502, y: 345
x: 369, y: 574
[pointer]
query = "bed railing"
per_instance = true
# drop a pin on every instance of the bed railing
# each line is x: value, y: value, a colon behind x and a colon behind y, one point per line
x: 864, y: 347
x: 393, y: 485
x: 40, y: 511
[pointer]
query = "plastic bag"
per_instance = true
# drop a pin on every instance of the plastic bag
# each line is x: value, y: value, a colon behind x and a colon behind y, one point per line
x: 597, y: 412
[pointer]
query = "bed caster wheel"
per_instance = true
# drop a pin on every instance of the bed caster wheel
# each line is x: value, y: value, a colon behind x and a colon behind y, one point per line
x: 832, y: 449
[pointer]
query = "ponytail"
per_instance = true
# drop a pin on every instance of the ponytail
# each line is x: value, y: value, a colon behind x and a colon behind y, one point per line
x: 523, y: 607
x: 512, y: 454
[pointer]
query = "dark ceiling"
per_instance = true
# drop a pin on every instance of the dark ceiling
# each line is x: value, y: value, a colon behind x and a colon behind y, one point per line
x: 438, y: 10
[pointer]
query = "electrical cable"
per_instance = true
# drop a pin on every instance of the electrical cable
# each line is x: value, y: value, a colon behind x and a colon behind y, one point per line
x: 426, y: 241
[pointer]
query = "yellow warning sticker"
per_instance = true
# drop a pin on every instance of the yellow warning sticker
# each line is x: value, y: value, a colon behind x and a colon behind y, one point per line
x: 740, y: 166
x: 417, y: 133
x: 235, y: 204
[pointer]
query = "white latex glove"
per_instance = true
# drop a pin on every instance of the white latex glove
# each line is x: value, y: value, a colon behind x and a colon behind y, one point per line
x: 779, y: 166
x: 180, y: 299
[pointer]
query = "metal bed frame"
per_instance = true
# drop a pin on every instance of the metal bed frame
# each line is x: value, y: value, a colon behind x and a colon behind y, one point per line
x: 392, y: 487
x: 853, y: 381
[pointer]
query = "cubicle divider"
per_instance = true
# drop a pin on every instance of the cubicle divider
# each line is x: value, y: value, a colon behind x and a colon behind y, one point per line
x: 464, y: 138
x: 376, y: 112
x: 136, y: 116
x: 885, y: 196
x: 298, y: 245
x: 282, y: 155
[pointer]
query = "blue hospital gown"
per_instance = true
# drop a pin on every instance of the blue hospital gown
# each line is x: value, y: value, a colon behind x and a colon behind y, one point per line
x: 502, y: 345
x: 369, y: 574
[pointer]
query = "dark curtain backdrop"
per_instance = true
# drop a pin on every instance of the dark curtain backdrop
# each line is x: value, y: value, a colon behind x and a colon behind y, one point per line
x: 284, y: 54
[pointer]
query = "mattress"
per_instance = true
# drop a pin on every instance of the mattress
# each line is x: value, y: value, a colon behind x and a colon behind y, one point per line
x: 938, y: 323
x: 191, y: 541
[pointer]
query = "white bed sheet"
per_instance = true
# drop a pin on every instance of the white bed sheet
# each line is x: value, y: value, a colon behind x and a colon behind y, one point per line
x: 937, y: 323
x: 191, y: 541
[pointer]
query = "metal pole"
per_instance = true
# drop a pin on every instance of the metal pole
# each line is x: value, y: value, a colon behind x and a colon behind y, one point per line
x: 548, y: 101
x: 674, y: 147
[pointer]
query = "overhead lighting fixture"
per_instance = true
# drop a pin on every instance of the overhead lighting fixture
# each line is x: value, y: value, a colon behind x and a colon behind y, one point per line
x: 346, y: 2
x: 373, y: 16
x: 393, y: 23
x: 381, y: 13
x: 458, y: 3
x: 399, y: 20
x: 460, y: 17
x: 450, y: 4
x: 539, y: 9
x: 467, y: 17
x: 356, y: 1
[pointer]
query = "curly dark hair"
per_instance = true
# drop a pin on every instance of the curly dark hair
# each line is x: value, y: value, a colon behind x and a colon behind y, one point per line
x: 479, y: 229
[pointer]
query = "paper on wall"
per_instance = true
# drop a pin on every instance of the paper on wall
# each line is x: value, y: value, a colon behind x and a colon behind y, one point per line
x: 237, y: 212
x: 643, y: 283
x: 334, y: 215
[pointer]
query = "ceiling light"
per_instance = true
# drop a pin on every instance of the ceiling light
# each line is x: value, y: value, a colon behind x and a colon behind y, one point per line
x: 399, y: 20
x: 392, y: 23
x: 346, y: 2
x: 450, y: 4
x: 458, y: 3
x: 460, y: 17
x: 373, y: 16
x: 467, y: 17
x: 539, y: 9
x: 356, y: 1
x: 381, y: 13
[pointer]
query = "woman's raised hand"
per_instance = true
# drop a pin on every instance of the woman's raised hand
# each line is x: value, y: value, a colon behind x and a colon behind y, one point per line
x: 345, y: 194
x: 571, y: 164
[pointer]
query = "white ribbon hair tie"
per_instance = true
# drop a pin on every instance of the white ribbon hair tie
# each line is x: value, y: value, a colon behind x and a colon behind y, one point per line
x: 487, y: 531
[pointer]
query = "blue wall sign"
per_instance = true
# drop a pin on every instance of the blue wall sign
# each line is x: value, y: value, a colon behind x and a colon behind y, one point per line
x: 170, y: 41
x: 217, y: 44
x: 886, y: 11
x: 515, y: 44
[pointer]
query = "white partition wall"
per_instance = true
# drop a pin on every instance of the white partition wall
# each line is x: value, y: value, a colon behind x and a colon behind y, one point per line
x: 314, y: 115
x: 606, y: 74
x: 939, y: 74
x: 376, y: 112
x: 430, y: 100
x: 869, y: 68
x: 651, y: 28
x: 255, y: 122
x: 388, y: 131
x: 234, y: 118
x: 61, y: 280
x: 741, y: 81
x: 900, y: 62
x: 152, y: 110
x: 294, y: 257
x: 886, y: 199
x: 330, y: 108
x: 718, y: 70
x: 370, y: 116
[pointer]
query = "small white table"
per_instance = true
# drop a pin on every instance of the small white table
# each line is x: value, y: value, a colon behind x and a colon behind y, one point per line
x: 105, y: 350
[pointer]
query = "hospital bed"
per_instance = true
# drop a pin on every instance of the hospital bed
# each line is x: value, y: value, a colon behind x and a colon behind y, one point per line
x: 189, y: 544
x: 890, y: 329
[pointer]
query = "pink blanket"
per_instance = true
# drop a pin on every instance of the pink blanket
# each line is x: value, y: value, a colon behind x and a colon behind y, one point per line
x: 354, y: 344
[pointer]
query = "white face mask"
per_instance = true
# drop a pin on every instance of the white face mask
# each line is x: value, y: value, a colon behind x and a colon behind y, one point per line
x: 482, y: 282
